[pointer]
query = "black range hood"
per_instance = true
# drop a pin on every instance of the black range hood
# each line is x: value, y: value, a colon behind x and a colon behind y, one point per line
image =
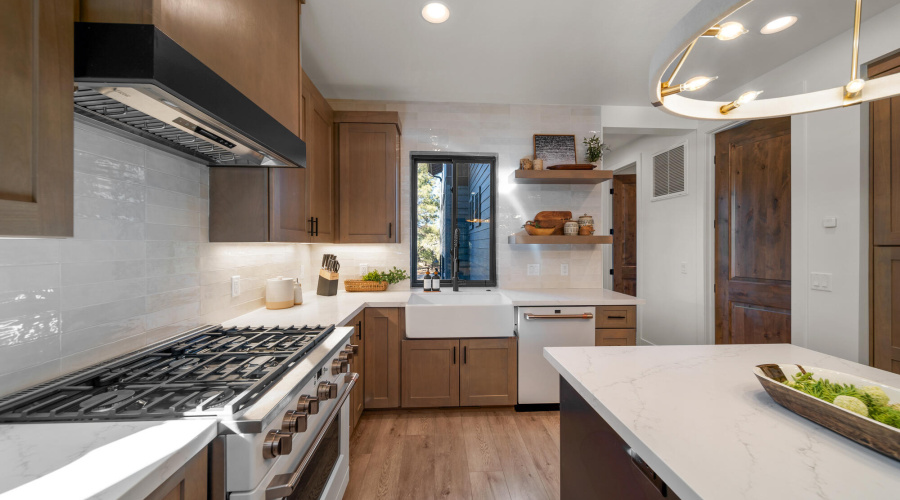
x: 134, y: 80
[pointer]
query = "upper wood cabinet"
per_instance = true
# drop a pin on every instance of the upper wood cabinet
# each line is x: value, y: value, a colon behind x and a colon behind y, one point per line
x: 318, y: 132
x: 383, y: 331
x: 255, y: 46
x: 368, y: 160
x: 36, y: 135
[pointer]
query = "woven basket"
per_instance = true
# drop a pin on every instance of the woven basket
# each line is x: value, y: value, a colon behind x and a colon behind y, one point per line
x: 365, y: 286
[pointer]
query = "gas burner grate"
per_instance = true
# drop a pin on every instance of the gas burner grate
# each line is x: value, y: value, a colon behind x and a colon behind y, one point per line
x: 214, y: 371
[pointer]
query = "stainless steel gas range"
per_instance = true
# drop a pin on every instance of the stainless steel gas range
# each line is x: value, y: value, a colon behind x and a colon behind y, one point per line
x: 280, y: 396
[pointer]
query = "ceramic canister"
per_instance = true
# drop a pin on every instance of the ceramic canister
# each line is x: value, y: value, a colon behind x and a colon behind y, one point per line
x: 571, y: 228
x: 585, y: 220
x: 538, y: 164
x: 279, y: 293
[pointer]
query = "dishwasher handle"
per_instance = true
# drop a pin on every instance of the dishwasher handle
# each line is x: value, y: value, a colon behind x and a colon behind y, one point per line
x: 530, y: 316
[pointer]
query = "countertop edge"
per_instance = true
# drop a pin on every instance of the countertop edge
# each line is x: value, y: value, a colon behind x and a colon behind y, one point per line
x: 681, y: 488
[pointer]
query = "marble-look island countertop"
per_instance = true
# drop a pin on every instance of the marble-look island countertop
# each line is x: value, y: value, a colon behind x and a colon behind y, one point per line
x: 96, y: 460
x: 341, y: 308
x: 698, y: 416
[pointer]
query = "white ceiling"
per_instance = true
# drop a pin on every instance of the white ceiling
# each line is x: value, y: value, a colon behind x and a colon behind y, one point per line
x: 529, y: 51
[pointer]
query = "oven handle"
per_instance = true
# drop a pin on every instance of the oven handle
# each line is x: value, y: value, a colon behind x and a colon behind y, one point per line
x: 283, y: 485
x: 530, y: 316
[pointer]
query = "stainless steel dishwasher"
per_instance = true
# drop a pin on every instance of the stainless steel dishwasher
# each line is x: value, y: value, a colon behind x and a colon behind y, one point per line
x: 540, y: 327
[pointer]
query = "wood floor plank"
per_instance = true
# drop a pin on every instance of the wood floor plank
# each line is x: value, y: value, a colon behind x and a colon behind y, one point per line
x: 480, y: 450
x: 420, y: 424
x: 382, y: 478
x: 358, y: 464
x: 417, y: 468
x: 451, y: 467
x: 544, y: 452
x: 522, y: 477
x: 551, y: 423
x: 448, y: 422
x: 489, y: 486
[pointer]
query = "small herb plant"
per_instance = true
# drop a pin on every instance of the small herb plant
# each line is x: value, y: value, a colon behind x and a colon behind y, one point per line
x: 393, y: 276
x: 868, y: 401
x: 595, y: 148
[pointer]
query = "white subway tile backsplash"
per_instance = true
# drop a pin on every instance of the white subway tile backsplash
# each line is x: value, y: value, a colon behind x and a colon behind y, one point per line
x: 30, y: 277
x: 24, y: 252
x: 82, y: 273
x: 77, y: 296
x: 85, y: 317
x: 158, y: 284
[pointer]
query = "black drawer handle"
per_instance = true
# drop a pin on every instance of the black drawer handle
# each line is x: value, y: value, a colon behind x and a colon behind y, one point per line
x: 615, y: 317
x: 454, y: 355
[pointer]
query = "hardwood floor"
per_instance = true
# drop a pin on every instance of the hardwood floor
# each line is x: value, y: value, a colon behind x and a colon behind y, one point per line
x: 471, y: 454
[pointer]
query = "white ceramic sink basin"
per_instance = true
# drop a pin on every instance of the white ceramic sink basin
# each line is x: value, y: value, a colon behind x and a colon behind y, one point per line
x: 459, y: 315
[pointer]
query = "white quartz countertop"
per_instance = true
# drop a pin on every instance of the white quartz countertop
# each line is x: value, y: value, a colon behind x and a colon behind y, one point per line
x: 342, y: 307
x: 96, y: 460
x: 698, y: 416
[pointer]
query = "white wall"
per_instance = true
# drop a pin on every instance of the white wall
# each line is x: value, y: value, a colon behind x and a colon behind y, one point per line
x: 829, y: 178
x: 506, y: 130
x: 138, y: 270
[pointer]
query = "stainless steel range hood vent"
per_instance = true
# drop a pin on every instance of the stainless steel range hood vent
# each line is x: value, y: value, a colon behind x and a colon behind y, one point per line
x: 133, y: 80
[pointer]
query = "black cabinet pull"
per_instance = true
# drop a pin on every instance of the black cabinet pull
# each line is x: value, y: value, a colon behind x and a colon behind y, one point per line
x: 465, y: 352
x: 317, y: 226
x: 454, y: 355
x: 311, y: 226
x: 616, y: 317
x: 390, y: 232
x: 359, y: 330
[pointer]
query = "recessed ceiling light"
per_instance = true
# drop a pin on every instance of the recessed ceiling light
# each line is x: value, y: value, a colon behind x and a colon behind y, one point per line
x: 435, y: 12
x: 780, y: 24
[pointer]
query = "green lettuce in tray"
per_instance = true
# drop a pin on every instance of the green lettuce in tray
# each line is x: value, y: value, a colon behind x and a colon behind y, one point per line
x: 870, y: 401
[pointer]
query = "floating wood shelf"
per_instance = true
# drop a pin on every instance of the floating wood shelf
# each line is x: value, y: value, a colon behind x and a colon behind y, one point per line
x: 526, y: 239
x: 560, y: 176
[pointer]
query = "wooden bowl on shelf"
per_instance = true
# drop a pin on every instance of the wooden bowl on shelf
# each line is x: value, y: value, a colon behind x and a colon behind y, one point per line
x: 533, y: 230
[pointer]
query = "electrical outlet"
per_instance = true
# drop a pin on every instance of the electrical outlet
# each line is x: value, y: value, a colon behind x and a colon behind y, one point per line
x: 534, y: 269
x: 820, y: 281
x: 563, y: 269
x: 235, y: 286
x: 363, y: 269
x: 684, y: 268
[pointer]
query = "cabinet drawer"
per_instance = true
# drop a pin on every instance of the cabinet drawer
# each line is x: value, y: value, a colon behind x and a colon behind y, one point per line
x: 616, y: 317
x: 615, y: 337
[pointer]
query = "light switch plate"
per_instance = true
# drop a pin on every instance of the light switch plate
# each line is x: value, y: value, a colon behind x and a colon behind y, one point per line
x: 534, y: 269
x: 829, y: 222
x: 363, y: 269
x: 563, y: 269
x: 235, y: 286
x: 684, y: 268
x: 820, y: 281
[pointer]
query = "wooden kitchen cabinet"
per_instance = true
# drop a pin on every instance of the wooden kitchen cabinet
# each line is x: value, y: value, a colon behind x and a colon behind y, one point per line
x: 383, y: 331
x: 368, y: 158
x: 318, y: 132
x: 187, y: 483
x: 255, y: 46
x: 615, y: 326
x: 36, y: 134
x: 615, y: 337
x: 489, y: 372
x: 430, y: 373
x: 358, y: 365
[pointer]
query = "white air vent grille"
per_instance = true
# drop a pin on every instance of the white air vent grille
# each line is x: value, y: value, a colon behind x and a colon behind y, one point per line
x: 668, y: 173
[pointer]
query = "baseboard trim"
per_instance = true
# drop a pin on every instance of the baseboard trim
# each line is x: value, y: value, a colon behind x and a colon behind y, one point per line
x: 538, y: 407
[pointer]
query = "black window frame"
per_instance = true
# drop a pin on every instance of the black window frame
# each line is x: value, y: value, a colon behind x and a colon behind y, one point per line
x: 416, y: 157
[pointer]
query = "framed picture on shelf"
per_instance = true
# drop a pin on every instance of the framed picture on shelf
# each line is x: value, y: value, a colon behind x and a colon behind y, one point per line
x: 555, y: 149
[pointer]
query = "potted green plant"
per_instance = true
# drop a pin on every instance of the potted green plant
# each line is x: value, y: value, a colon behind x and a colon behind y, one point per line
x: 594, y: 149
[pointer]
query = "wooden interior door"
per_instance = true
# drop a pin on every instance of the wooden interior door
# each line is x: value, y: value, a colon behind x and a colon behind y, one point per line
x: 36, y: 135
x: 430, y: 373
x: 382, y: 358
x: 753, y: 233
x: 884, y: 134
x: 488, y: 375
x: 625, y: 234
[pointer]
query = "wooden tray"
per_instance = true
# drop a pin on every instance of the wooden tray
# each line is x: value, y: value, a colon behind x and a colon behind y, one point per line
x: 865, y: 431
x: 573, y: 166
x: 555, y: 219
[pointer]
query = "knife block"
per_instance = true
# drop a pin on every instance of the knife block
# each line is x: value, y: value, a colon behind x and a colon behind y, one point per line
x: 328, y: 283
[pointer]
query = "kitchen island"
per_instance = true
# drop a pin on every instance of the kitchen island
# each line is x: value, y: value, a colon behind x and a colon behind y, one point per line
x: 703, y: 427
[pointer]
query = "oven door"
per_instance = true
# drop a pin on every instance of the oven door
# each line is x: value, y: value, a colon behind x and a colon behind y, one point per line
x: 324, y: 470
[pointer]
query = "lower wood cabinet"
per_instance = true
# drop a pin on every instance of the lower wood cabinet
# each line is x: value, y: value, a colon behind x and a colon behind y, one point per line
x: 615, y: 337
x: 358, y: 365
x: 188, y: 483
x: 381, y: 359
x: 615, y: 326
x: 459, y: 372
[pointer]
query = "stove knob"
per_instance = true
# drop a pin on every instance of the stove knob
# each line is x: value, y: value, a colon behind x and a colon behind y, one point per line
x: 294, y: 421
x: 352, y: 349
x: 338, y: 367
x: 327, y: 390
x: 345, y: 356
x: 308, y: 404
x: 277, y: 443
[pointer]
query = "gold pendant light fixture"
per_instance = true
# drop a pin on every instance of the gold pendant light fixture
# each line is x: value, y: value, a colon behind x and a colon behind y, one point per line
x: 707, y: 20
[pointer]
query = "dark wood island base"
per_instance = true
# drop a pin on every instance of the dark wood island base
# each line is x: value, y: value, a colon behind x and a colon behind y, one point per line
x: 595, y: 463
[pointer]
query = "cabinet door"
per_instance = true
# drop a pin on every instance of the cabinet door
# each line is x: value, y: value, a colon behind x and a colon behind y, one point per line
x: 430, y: 373
x: 238, y: 204
x: 288, y: 220
x: 187, y: 483
x: 319, y: 136
x: 36, y: 135
x: 358, y: 365
x: 369, y: 183
x: 614, y: 337
x: 488, y: 375
x: 382, y: 358
x: 886, y: 302
x: 616, y: 317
